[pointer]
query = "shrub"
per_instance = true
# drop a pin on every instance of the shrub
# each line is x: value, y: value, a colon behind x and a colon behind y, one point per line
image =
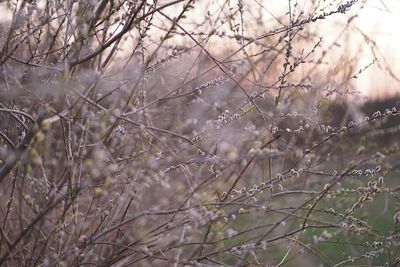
x: 138, y: 133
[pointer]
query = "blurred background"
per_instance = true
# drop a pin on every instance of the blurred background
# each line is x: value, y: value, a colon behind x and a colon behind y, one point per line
x: 191, y: 138
x: 367, y: 33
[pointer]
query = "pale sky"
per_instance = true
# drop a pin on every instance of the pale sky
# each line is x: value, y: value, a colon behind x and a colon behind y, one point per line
x: 380, y: 20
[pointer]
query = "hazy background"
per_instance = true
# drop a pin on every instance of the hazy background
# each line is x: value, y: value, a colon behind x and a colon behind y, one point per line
x: 379, y: 21
x: 360, y: 36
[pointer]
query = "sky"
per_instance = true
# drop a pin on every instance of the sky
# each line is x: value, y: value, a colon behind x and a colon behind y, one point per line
x: 379, y: 20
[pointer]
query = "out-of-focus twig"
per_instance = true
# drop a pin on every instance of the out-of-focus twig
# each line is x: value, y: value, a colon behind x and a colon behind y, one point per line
x: 17, y: 153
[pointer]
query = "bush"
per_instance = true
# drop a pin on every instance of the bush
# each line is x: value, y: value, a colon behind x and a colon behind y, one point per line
x: 190, y: 133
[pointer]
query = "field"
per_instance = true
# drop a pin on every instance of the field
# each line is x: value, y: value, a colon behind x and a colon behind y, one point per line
x: 194, y: 133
